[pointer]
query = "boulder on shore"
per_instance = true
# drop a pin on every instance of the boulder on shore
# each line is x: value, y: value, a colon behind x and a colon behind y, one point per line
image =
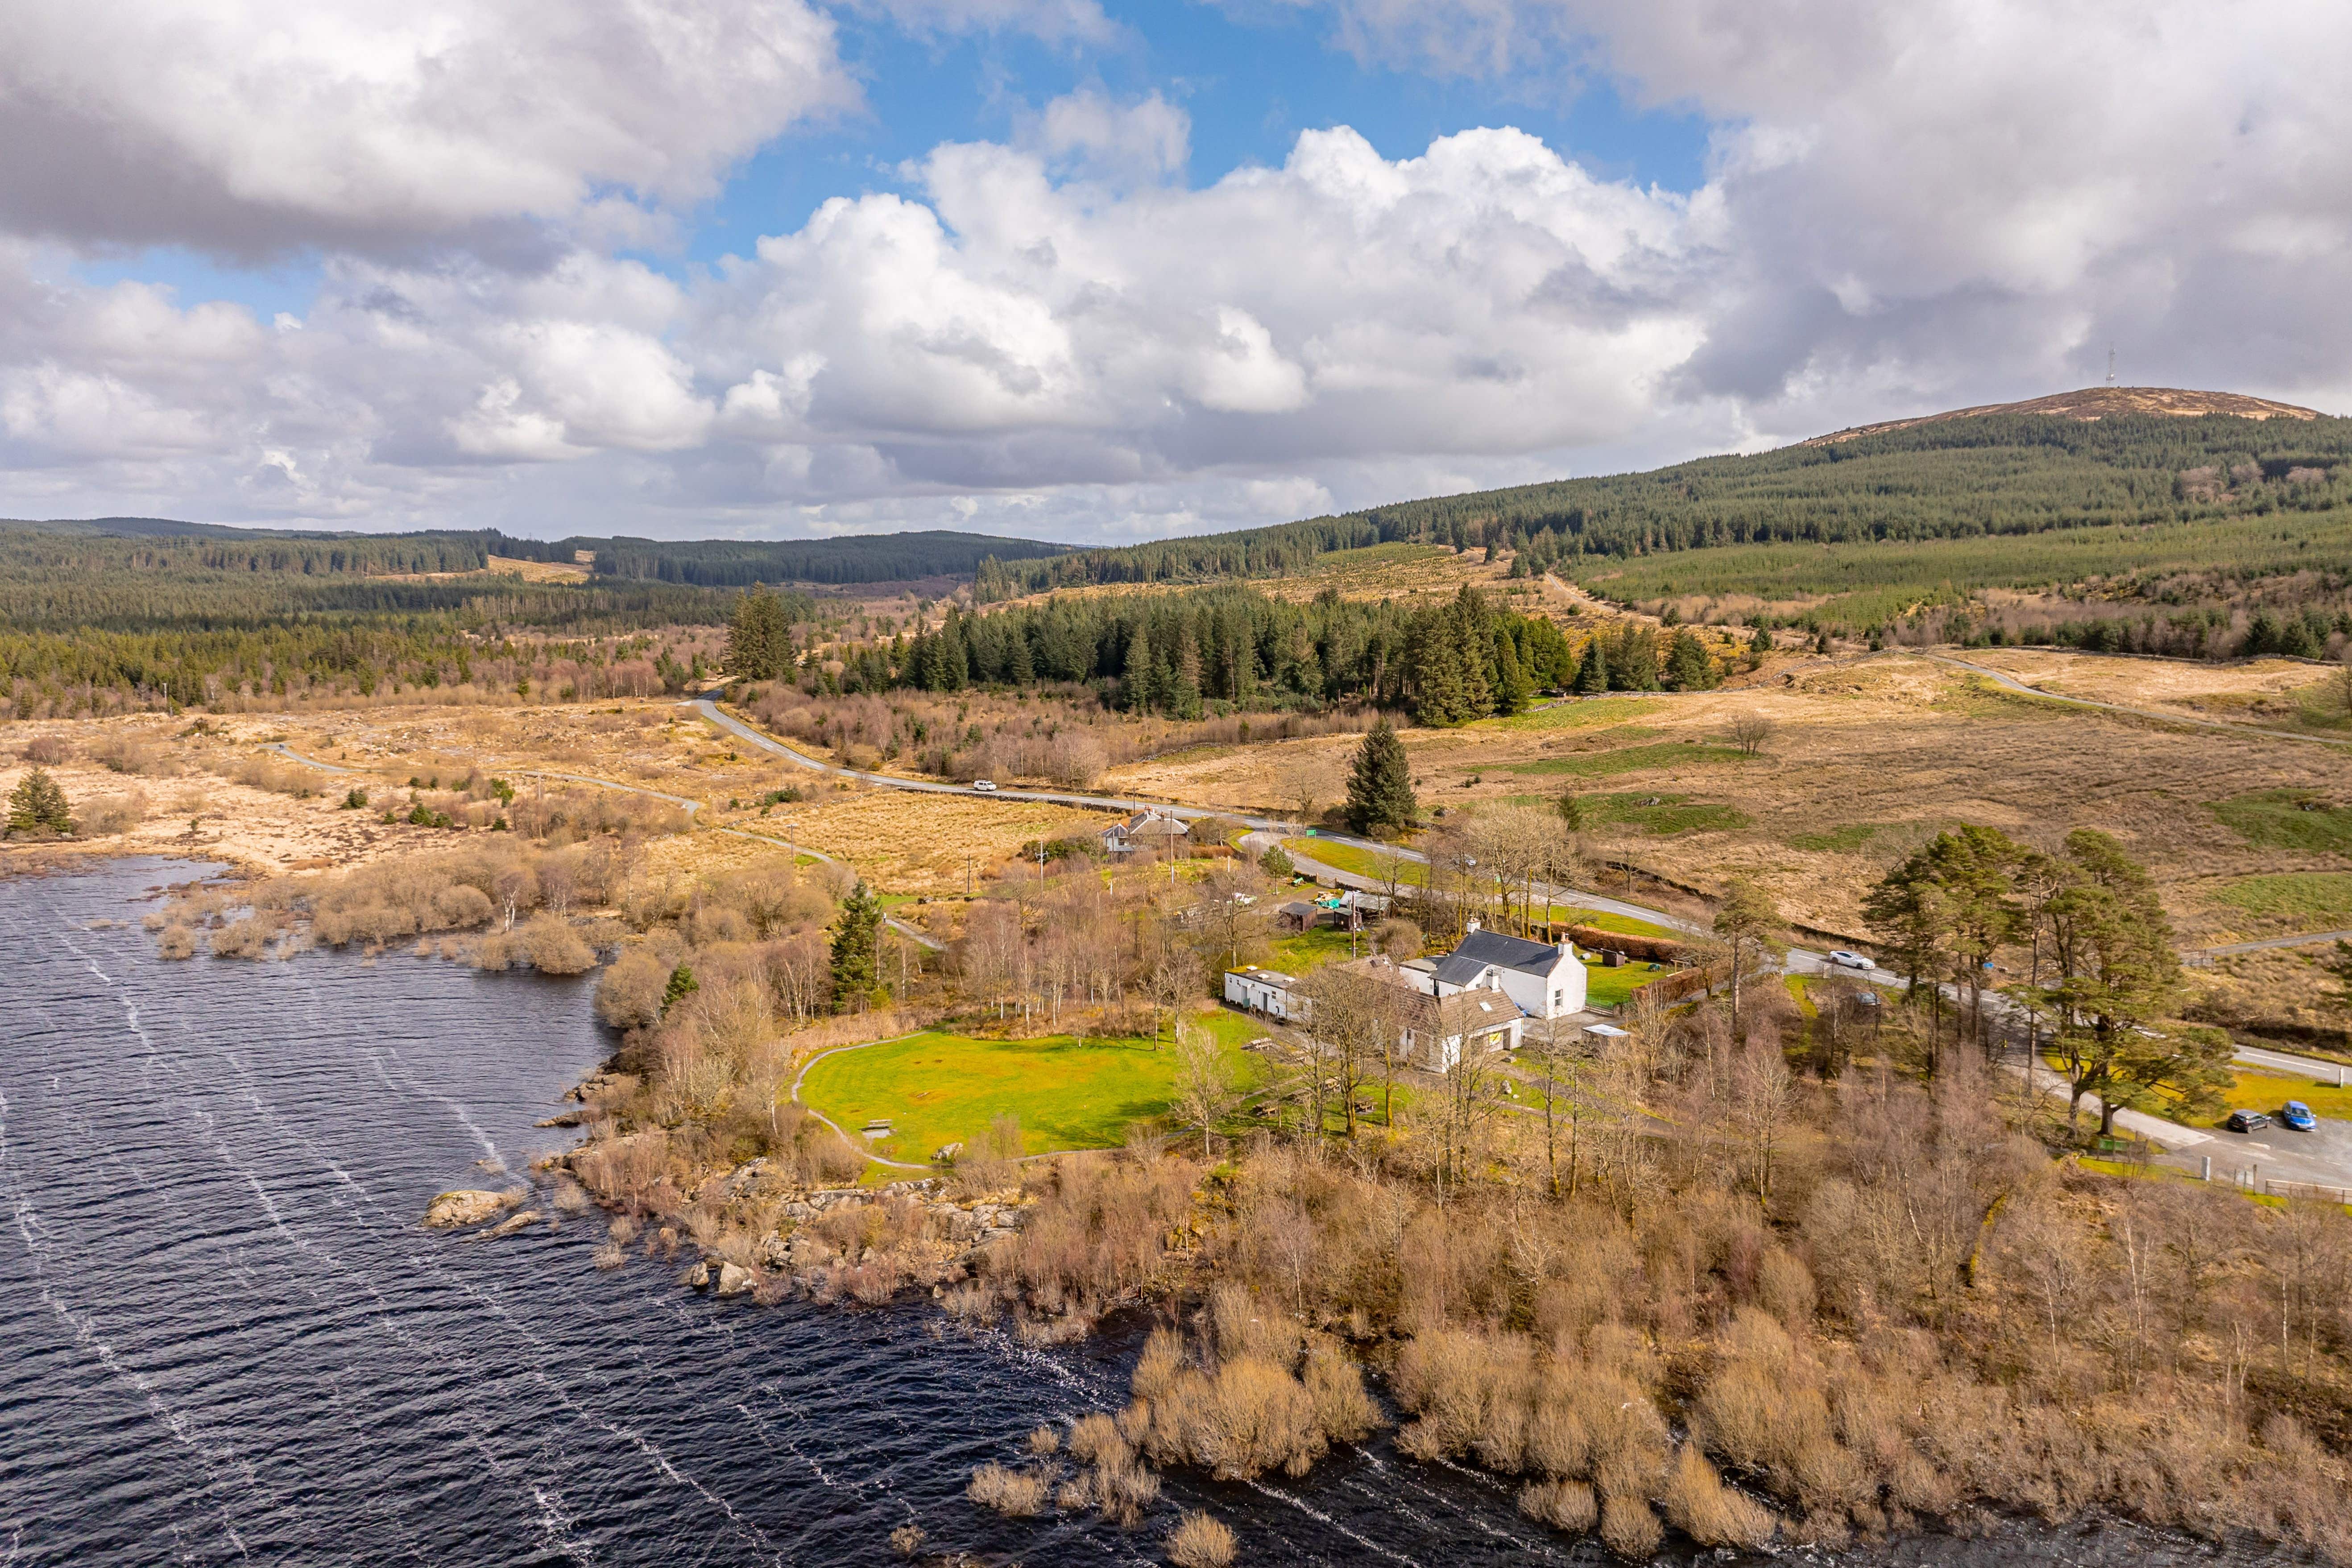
x: 733, y: 1280
x: 465, y: 1206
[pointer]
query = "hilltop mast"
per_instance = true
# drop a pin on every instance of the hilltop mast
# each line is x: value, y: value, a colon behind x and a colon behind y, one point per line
x: 2111, y: 364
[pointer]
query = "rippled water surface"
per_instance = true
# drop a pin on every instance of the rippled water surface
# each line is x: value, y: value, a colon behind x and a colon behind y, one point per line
x: 223, y: 1336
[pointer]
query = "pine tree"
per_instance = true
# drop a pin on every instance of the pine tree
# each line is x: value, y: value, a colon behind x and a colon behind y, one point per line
x: 1136, y: 680
x: 37, y: 806
x: 1688, y: 667
x: 1593, y: 675
x: 758, y: 638
x: 1512, y: 686
x: 1380, y: 787
x: 854, y: 953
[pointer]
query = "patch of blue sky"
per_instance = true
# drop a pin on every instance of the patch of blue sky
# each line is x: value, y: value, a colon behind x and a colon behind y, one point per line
x: 287, y: 285
x: 1250, y: 87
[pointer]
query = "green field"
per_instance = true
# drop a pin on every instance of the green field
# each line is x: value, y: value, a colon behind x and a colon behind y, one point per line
x: 1868, y: 582
x: 938, y: 1088
x: 2299, y: 895
x: 2265, y: 1092
x: 1842, y: 840
x: 1630, y: 759
x: 2287, y: 819
x: 1582, y: 713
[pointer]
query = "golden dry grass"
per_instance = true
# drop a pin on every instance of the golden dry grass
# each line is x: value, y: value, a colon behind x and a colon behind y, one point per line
x: 1869, y: 758
x: 2254, y: 690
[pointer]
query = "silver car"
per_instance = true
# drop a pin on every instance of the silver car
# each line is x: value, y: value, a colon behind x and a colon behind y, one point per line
x: 1845, y: 960
x: 984, y: 786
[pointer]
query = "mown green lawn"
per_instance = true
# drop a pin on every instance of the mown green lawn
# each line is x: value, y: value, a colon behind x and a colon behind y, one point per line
x: 1605, y: 987
x: 1354, y: 860
x: 1297, y: 954
x: 2265, y: 1092
x: 940, y: 1088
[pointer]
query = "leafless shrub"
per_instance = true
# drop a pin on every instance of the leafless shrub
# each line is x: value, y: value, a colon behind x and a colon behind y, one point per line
x: 1015, y: 1494
x: 1095, y: 1439
x: 1710, y: 1512
x: 124, y: 753
x: 47, y: 750
x: 555, y: 948
x: 1629, y: 1528
x: 109, y: 815
x: 175, y: 942
x: 247, y: 938
x: 907, y: 1539
x: 1122, y: 1489
x: 1045, y: 1441
x: 1200, y: 1541
x: 1570, y: 1506
x: 1750, y: 731
x: 278, y: 778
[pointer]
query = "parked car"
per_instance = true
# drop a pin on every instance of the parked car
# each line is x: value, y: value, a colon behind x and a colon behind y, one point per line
x: 2246, y: 1122
x: 1845, y: 960
x: 2297, y: 1115
x: 984, y: 786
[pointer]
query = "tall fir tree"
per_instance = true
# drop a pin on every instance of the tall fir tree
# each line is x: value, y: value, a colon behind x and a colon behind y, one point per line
x: 759, y: 637
x: 37, y: 807
x: 856, y: 956
x: 1380, y: 786
x: 1593, y: 675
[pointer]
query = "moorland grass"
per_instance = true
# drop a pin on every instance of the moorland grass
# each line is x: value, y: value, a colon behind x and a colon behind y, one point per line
x: 938, y: 1088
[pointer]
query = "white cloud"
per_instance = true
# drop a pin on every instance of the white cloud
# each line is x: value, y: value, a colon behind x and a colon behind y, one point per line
x: 1906, y: 206
x: 350, y: 124
x: 1972, y: 198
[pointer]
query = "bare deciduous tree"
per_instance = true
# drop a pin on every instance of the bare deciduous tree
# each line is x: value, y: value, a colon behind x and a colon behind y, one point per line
x: 1749, y: 732
x: 1205, y: 1093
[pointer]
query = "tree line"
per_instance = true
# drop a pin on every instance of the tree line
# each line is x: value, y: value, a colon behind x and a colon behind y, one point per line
x: 1181, y: 652
x: 1987, y: 475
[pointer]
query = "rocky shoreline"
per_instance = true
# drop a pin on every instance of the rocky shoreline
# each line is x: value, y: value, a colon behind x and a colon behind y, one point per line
x: 772, y: 1238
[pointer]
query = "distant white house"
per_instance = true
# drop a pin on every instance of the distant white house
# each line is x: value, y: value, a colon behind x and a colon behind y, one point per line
x: 1264, y: 991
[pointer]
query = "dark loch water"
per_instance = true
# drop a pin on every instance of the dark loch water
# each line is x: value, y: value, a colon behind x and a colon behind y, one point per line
x: 224, y: 1338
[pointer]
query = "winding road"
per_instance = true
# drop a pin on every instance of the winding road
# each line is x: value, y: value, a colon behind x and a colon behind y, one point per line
x: 2009, y: 682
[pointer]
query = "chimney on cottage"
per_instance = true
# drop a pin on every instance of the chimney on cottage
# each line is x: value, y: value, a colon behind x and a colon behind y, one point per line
x: 1471, y: 924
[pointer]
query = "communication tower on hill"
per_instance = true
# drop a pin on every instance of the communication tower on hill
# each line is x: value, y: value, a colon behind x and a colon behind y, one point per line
x: 2111, y: 364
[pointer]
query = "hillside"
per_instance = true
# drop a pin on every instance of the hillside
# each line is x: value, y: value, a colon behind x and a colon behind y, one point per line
x: 2099, y: 459
x: 164, y: 544
x: 2097, y: 403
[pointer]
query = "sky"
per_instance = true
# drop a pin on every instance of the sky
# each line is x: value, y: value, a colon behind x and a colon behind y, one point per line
x: 1098, y: 272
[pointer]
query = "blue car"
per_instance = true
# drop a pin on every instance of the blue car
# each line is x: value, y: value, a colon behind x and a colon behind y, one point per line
x: 2297, y: 1115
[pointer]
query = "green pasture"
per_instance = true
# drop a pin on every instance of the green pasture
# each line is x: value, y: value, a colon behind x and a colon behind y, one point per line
x: 1583, y: 713
x: 2287, y: 819
x: 938, y: 1088
x: 1629, y: 760
x: 1867, y: 582
x: 2319, y: 896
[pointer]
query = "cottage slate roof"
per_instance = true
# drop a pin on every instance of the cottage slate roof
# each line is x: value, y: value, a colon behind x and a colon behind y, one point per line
x: 1481, y: 948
